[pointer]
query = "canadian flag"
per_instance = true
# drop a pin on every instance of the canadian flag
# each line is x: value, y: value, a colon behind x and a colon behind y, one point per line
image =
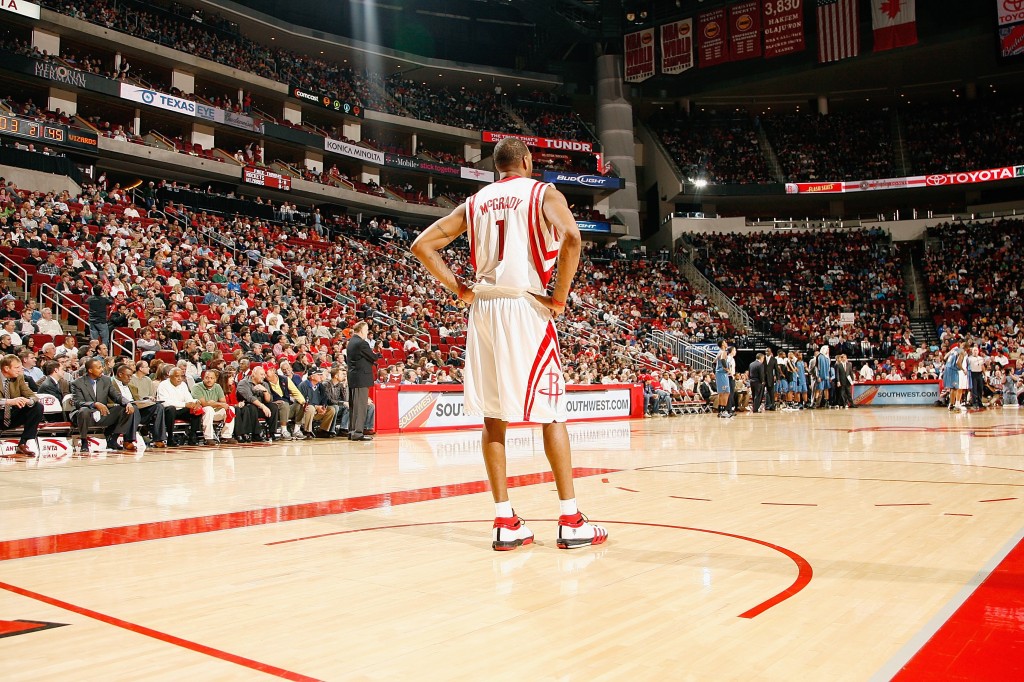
x: 894, y: 22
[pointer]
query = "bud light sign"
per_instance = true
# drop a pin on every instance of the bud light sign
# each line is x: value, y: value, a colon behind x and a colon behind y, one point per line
x: 581, y: 180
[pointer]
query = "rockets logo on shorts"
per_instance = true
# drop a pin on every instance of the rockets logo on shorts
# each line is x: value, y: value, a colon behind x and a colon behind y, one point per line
x: 546, y: 375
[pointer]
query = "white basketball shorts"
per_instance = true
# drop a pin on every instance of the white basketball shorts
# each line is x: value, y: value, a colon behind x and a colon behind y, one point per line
x: 513, y: 367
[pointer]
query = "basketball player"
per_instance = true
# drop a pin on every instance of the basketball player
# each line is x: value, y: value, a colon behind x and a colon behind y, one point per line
x: 823, y: 370
x: 722, y: 382
x: 517, y: 228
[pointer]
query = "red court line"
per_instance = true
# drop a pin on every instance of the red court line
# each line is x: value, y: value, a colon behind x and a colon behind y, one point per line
x: 804, y: 570
x: 628, y: 490
x: 698, y: 499
x: 999, y: 499
x: 162, y: 636
x: 952, y: 514
x: 983, y: 640
x: 159, y: 530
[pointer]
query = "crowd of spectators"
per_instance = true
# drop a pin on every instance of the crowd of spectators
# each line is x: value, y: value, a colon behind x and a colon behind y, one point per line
x: 461, y: 107
x: 549, y: 115
x: 721, y: 149
x: 840, y: 146
x: 966, y: 135
x: 181, y: 280
x: 975, y: 281
x: 798, y: 285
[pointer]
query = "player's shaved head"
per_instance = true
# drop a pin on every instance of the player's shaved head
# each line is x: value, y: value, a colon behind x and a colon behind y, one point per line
x: 508, y: 153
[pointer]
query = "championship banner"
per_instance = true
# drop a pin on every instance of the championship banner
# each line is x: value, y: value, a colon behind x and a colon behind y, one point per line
x: 896, y: 393
x: 744, y: 31
x: 677, y: 46
x: 261, y: 177
x: 639, y: 61
x: 541, y: 142
x: 713, y: 38
x: 1010, y: 11
x: 783, y: 22
x: 25, y: 9
x: 354, y: 151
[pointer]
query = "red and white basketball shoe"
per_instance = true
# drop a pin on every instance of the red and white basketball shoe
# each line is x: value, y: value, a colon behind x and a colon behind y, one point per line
x: 510, y: 533
x: 576, y: 531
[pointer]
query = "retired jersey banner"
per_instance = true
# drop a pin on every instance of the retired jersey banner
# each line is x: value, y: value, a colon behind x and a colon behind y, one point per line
x: 713, y: 37
x: 1010, y: 11
x: 677, y: 46
x: 783, y: 22
x: 894, y: 23
x: 639, y: 55
x: 744, y: 31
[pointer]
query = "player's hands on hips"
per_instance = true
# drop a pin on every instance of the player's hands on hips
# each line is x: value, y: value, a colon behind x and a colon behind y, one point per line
x: 549, y: 303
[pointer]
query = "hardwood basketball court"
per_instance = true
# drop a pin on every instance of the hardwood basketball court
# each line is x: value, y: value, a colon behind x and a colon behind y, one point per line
x: 826, y: 545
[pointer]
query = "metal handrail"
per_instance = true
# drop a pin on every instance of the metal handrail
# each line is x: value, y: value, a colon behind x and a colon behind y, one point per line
x: 690, y: 354
x: 12, y: 268
x: 73, y: 311
x: 717, y: 296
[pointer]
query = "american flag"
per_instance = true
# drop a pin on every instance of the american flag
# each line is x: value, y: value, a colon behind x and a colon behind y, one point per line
x: 838, y: 30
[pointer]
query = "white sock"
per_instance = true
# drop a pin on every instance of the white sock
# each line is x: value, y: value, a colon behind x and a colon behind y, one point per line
x: 503, y: 510
x: 567, y: 507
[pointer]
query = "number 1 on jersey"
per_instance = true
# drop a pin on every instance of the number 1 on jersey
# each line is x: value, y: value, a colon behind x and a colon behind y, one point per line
x: 501, y: 240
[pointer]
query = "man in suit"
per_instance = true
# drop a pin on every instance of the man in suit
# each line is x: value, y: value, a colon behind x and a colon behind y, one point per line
x: 153, y: 416
x: 255, y: 397
x: 757, y: 379
x: 359, y: 357
x: 336, y: 394
x: 53, y: 382
x: 844, y: 377
x: 771, y: 377
x: 98, y: 403
x: 21, y: 407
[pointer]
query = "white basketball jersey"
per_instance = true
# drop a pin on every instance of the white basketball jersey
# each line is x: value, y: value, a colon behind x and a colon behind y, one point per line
x: 511, y: 246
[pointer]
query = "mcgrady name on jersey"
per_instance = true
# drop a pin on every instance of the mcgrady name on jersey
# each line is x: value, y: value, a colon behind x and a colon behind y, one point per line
x: 500, y: 204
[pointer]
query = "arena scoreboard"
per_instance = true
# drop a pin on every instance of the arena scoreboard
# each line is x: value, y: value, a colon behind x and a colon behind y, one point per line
x: 47, y: 133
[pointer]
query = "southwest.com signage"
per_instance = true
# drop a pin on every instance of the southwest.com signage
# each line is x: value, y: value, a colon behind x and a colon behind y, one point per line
x: 25, y: 9
x: 417, y: 408
x: 157, y: 99
x: 327, y: 102
x: 934, y: 180
x: 901, y: 393
x: 582, y: 180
